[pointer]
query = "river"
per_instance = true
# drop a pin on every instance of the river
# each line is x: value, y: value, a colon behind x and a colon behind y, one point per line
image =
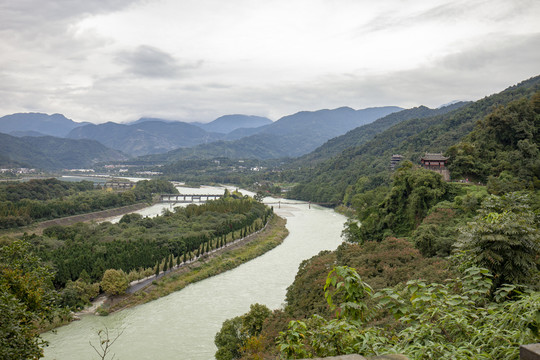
x: 182, y: 325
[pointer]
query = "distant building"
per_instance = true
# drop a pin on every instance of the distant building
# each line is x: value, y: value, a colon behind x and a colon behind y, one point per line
x: 437, y: 163
x: 394, y: 161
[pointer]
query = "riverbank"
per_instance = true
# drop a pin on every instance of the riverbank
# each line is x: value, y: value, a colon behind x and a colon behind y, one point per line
x: 207, y: 266
x: 37, y: 228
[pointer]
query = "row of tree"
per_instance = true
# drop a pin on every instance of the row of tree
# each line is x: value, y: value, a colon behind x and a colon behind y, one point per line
x: 137, y: 243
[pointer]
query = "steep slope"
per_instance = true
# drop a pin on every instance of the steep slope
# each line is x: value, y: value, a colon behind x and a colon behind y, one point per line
x: 362, y: 134
x: 146, y: 137
x: 290, y: 136
x: 49, y: 152
x: 54, y: 125
x: 366, y: 166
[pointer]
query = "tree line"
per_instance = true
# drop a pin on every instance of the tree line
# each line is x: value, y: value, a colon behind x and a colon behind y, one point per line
x: 22, y: 203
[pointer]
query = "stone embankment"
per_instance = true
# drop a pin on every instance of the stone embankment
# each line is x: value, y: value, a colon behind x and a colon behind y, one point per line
x: 137, y: 285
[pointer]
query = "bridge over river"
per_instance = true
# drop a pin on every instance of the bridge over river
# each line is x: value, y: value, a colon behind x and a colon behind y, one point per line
x: 188, y: 198
x: 296, y: 202
x: 191, y: 198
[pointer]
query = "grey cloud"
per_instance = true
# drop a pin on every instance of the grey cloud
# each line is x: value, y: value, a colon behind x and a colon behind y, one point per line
x: 499, y: 51
x: 452, y: 11
x: 392, y: 20
x: 21, y: 15
x: 149, y: 61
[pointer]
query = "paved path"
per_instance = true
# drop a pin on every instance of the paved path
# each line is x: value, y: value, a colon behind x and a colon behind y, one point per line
x: 137, y: 285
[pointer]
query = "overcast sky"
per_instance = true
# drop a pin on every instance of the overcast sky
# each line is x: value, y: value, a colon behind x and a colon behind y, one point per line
x: 195, y: 60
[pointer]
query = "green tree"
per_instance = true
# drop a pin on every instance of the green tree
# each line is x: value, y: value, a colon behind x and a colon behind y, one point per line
x: 259, y: 196
x: 165, y: 264
x: 504, y: 238
x: 414, y: 191
x: 114, y: 282
x: 236, y: 332
x: 229, y: 339
x: 27, y: 298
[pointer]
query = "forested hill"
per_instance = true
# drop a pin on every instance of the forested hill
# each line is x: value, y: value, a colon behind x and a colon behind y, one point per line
x: 37, y: 124
x: 47, y: 152
x: 363, y: 167
x: 290, y: 136
x: 146, y: 137
x: 363, y: 134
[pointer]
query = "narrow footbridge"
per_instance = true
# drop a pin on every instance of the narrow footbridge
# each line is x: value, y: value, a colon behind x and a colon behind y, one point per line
x: 187, y: 198
x: 279, y: 203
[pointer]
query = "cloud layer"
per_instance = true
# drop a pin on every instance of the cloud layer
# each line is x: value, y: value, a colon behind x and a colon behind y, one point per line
x: 196, y: 60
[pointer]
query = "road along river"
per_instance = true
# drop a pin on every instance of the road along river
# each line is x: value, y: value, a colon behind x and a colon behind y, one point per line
x: 183, y: 325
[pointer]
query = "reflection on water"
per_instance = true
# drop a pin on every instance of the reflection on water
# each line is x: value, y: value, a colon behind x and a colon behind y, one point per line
x: 183, y: 324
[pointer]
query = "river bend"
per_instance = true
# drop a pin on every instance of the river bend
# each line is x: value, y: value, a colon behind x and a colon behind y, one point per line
x: 182, y: 325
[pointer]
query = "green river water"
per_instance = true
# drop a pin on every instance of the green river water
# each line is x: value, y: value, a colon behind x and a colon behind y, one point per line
x: 183, y: 324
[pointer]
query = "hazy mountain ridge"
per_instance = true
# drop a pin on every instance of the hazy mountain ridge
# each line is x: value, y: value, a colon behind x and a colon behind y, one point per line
x: 54, y: 125
x: 228, y: 123
x: 300, y: 133
x: 147, y: 137
x: 290, y: 136
x: 333, y: 178
x: 48, y: 152
x: 364, y: 133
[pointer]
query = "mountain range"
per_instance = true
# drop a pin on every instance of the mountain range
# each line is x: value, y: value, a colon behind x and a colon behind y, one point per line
x: 363, y: 134
x: 147, y: 137
x: 364, y: 166
x: 228, y: 123
x: 48, y: 152
x: 290, y: 136
x: 237, y: 136
x: 37, y: 124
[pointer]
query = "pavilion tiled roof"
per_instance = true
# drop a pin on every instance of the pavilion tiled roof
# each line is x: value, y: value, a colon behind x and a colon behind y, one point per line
x: 434, y: 157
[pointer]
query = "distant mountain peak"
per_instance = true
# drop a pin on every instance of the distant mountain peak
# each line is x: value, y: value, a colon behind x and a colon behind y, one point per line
x: 449, y: 103
x: 54, y: 125
x: 228, y: 123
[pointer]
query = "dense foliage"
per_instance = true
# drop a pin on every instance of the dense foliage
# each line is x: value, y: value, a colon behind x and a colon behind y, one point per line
x: 457, y: 319
x: 489, y: 306
x: 365, y: 133
x: 503, y: 148
x: 413, y: 192
x: 505, y: 239
x: 26, y: 298
x: 137, y: 243
x: 47, y: 152
x: 366, y: 167
x: 21, y: 203
x: 239, y: 334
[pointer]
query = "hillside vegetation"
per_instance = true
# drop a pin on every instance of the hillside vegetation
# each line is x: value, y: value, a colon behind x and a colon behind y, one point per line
x: 47, y: 152
x: 363, y: 134
x: 428, y: 269
x: 361, y: 168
